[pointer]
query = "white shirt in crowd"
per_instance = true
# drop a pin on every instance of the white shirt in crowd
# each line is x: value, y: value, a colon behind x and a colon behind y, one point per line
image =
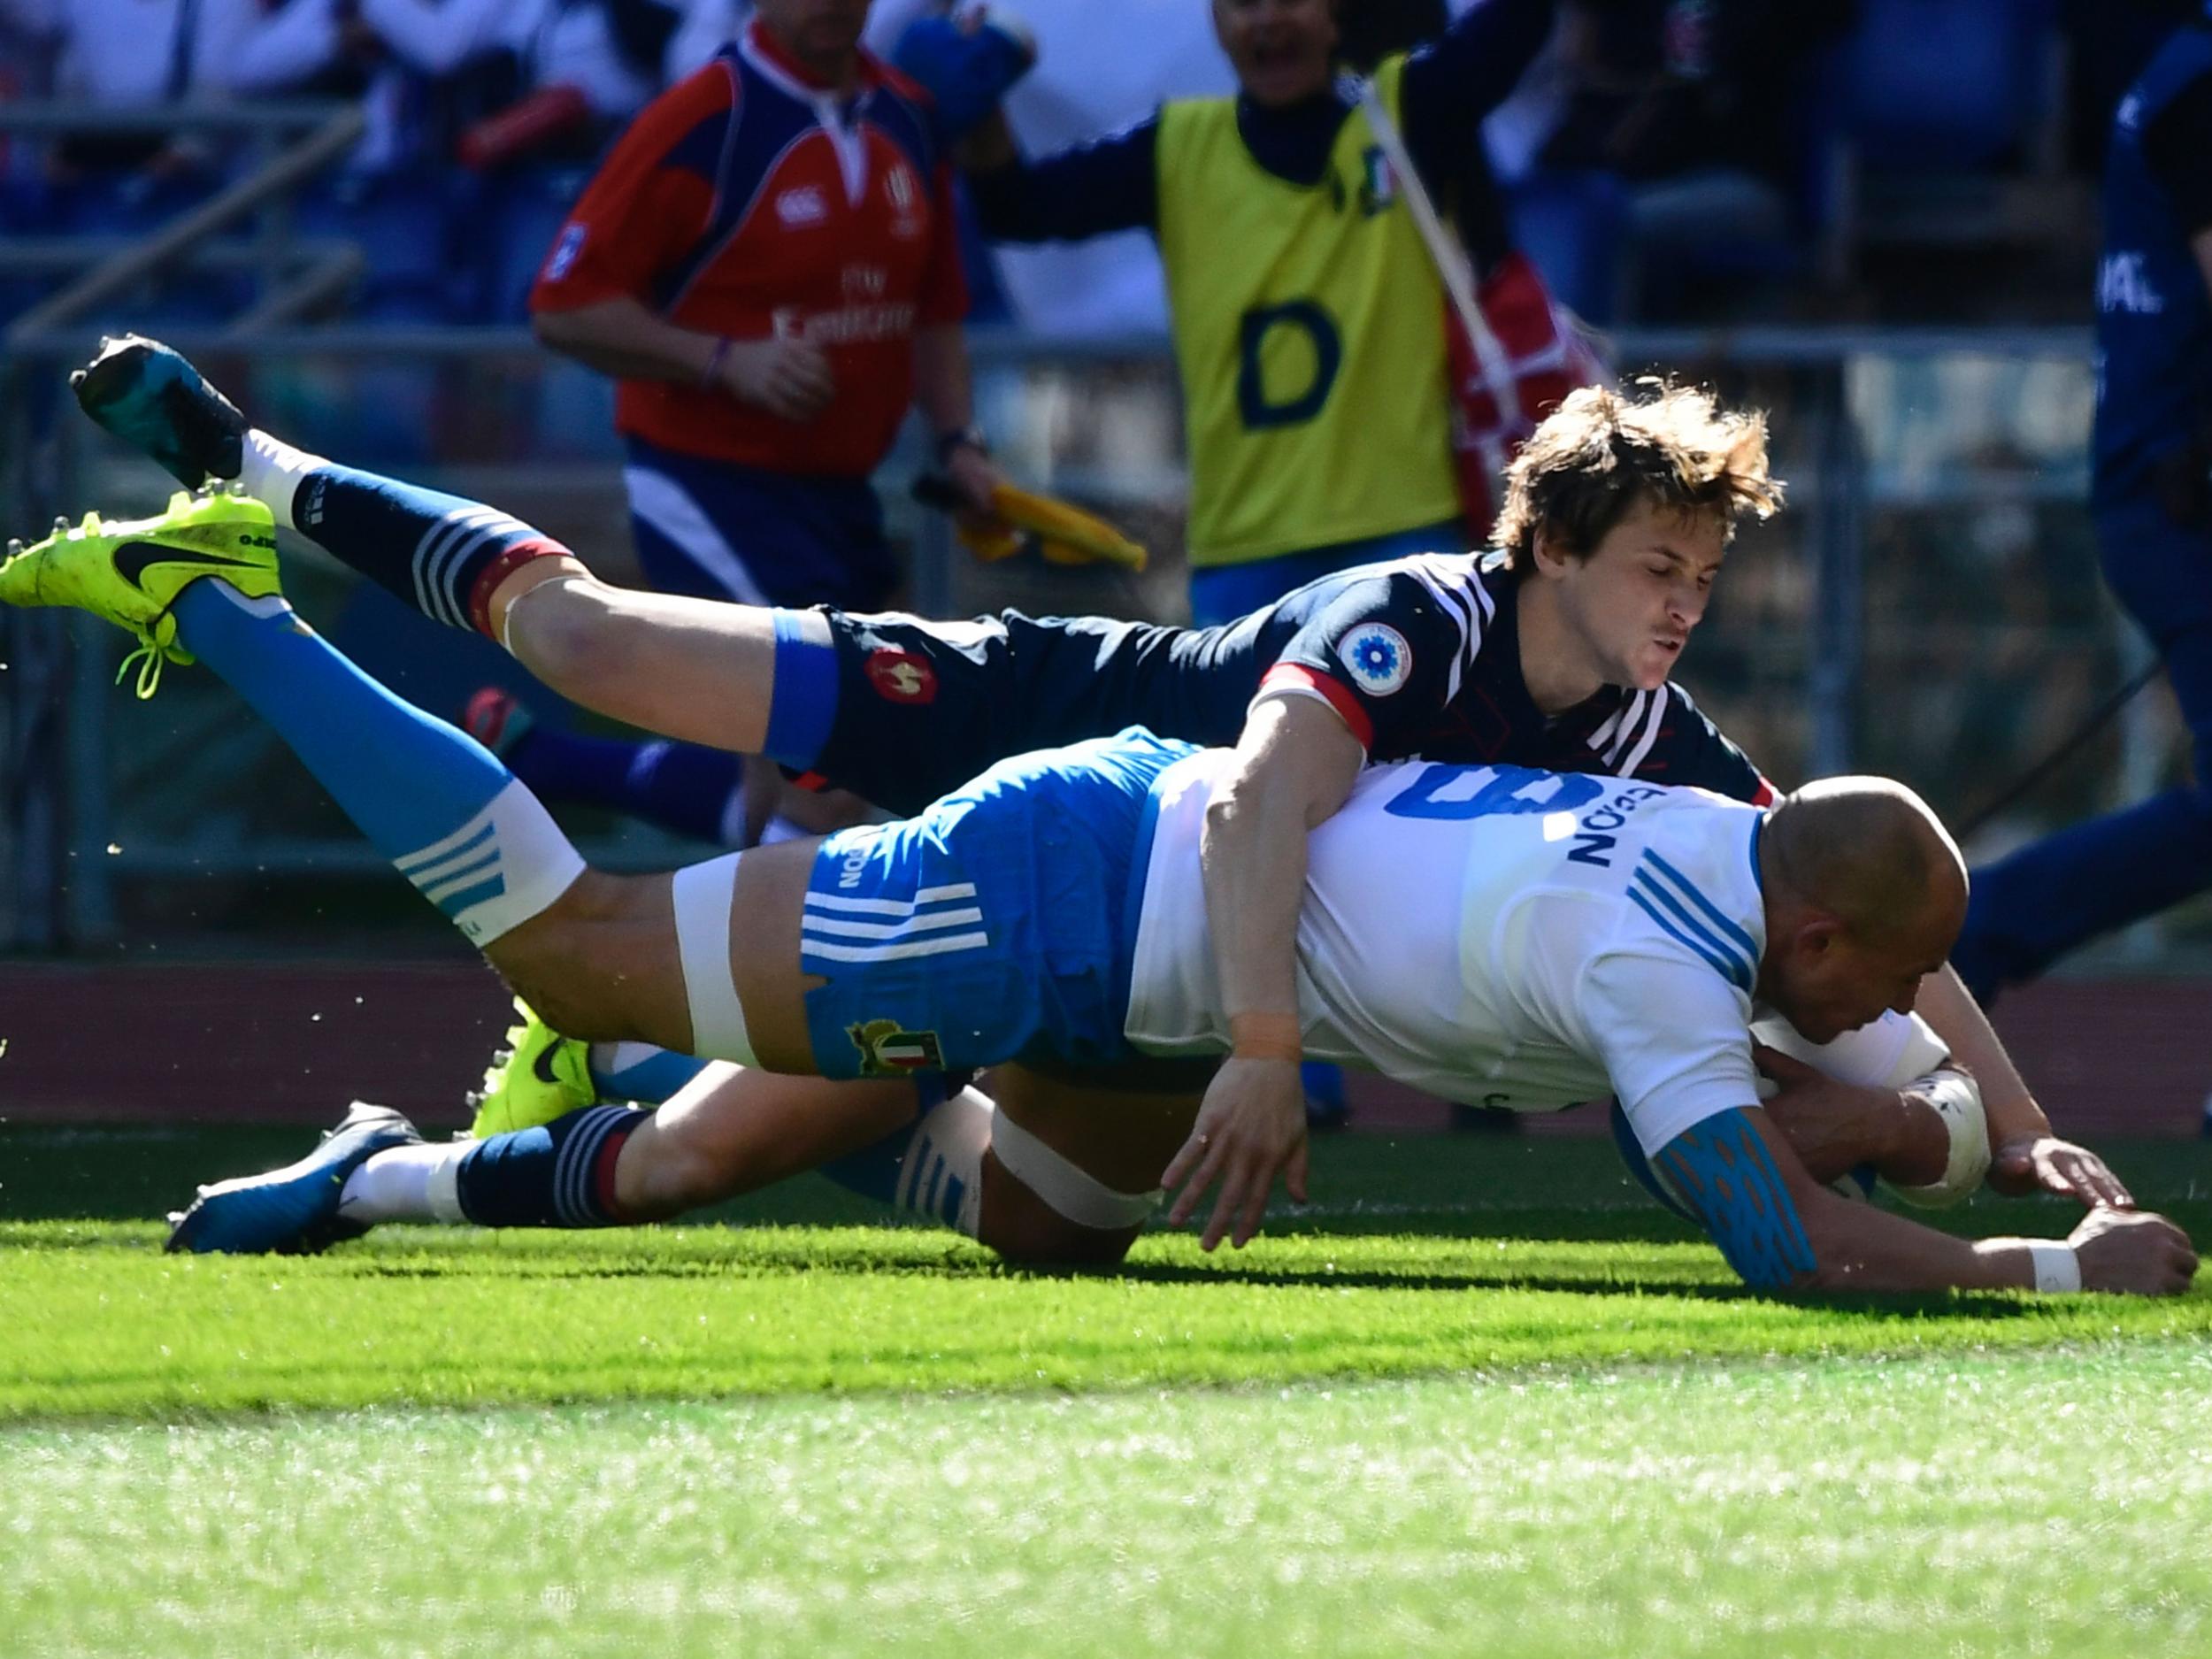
x: 559, y: 42
x: 123, y: 52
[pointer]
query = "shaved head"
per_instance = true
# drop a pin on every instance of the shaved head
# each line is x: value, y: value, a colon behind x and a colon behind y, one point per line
x: 1869, y: 852
x: 1865, y: 894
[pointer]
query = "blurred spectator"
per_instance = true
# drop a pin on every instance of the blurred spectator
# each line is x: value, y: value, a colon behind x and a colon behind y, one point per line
x: 493, y: 79
x: 518, y: 89
x: 1682, y: 125
x: 766, y: 263
x: 1369, y: 31
x: 1100, y: 68
x: 1662, y: 87
x: 2108, y: 43
x: 1306, y: 313
x: 120, y: 54
x: 705, y: 28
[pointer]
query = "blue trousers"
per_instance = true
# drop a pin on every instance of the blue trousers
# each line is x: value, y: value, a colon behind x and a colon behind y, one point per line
x: 2032, y: 907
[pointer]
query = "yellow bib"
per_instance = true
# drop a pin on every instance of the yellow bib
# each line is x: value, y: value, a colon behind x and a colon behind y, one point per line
x: 1309, y: 333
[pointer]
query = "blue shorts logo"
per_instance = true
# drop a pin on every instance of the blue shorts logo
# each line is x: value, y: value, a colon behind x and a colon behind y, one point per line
x: 886, y: 1050
x: 1376, y: 657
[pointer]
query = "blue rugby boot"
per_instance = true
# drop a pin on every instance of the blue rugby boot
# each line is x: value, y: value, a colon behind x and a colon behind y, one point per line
x: 293, y: 1210
x: 150, y: 397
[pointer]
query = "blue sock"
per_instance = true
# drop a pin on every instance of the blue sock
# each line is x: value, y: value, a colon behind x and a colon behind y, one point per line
x: 559, y: 1174
x: 682, y: 786
x: 432, y: 799
x: 641, y: 1073
x: 430, y: 548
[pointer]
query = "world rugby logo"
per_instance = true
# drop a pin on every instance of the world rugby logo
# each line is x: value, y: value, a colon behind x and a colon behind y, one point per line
x: 1376, y: 657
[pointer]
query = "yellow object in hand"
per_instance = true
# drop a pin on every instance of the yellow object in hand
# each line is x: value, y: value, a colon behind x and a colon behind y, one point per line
x: 1065, y: 534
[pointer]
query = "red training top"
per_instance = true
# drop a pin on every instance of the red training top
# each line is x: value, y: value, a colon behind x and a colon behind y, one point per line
x: 748, y: 201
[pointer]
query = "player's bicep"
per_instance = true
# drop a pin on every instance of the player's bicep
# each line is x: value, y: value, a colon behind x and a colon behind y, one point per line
x: 1302, y: 749
x: 1728, y: 1172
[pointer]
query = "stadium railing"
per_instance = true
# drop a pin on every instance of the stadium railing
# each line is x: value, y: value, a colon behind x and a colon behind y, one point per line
x: 1928, y: 605
x: 285, y: 142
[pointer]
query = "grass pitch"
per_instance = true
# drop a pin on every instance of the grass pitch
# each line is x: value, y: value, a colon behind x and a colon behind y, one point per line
x: 1486, y: 1400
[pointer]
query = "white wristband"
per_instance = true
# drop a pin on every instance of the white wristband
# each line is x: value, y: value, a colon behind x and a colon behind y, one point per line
x: 2057, y: 1269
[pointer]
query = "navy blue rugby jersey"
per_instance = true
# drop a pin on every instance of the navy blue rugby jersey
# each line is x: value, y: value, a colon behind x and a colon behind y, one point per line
x: 1419, y: 655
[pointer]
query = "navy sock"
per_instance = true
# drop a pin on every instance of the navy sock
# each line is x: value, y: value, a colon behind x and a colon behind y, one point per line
x: 559, y: 1174
x: 682, y: 786
x: 432, y: 549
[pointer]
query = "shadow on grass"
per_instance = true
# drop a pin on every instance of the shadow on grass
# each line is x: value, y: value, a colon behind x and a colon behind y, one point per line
x: 1236, y: 1276
x: 1948, y: 1304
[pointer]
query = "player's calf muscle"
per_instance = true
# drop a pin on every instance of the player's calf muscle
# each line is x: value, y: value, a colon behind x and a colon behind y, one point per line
x: 1025, y: 1229
x: 754, y: 1128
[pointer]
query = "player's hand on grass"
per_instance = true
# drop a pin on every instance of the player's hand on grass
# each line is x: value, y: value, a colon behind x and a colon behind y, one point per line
x: 789, y: 378
x: 1833, y: 1126
x: 2044, y: 1163
x: 2133, y: 1252
x: 1251, y: 1124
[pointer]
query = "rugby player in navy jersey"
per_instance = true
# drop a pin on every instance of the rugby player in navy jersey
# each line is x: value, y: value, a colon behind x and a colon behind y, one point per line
x: 1554, y: 651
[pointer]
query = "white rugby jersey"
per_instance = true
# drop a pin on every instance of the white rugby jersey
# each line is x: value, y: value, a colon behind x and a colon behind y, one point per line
x: 1505, y: 938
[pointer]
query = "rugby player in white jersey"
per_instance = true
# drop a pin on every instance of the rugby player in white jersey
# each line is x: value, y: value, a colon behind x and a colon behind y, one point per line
x: 1486, y: 932
x: 1554, y: 651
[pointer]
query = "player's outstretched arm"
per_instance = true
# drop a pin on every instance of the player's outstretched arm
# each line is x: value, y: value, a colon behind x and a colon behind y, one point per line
x: 1294, y: 767
x: 1782, y: 1230
x: 2024, y: 1155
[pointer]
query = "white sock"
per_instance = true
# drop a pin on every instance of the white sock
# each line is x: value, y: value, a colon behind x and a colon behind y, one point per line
x: 940, y: 1176
x: 415, y: 1182
x: 271, y: 470
x: 511, y: 860
x: 611, y: 1059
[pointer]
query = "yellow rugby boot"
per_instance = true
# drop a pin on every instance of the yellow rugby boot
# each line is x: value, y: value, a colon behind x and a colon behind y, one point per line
x: 541, y: 1075
x: 130, y: 573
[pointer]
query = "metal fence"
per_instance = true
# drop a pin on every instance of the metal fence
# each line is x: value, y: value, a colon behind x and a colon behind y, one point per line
x: 1927, y: 606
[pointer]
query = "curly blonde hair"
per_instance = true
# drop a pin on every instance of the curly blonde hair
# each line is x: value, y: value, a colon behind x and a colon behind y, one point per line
x: 1590, y: 460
